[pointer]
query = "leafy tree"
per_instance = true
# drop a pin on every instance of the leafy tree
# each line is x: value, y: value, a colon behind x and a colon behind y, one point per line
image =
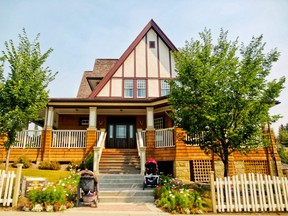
x: 221, y: 95
x: 23, y: 93
x: 283, y: 135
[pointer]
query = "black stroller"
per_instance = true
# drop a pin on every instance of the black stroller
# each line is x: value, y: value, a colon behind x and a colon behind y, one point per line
x: 151, y: 177
x: 87, y: 193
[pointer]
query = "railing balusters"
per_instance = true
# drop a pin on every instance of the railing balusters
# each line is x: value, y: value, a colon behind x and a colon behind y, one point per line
x: 164, y: 138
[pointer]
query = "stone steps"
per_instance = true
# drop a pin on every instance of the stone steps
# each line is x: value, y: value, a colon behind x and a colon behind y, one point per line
x: 123, y: 189
x: 119, y: 161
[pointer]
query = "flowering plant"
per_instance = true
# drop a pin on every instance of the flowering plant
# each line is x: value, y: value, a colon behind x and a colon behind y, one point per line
x: 54, y: 196
x: 175, y: 197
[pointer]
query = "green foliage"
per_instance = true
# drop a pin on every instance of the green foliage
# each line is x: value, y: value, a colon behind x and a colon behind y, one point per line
x: 23, y: 160
x: 74, y: 165
x: 60, y: 195
x: 175, y: 197
x: 23, y: 92
x: 50, y: 165
x: 87, y: 163
x: 283, y: 135
x: 221, y: 94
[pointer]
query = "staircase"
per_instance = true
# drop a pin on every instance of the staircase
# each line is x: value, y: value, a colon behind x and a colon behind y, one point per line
x: 119, y: 161
x: 127, y: 188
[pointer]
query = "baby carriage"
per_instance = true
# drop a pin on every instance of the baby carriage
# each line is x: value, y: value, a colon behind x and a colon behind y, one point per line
x: 87, y: 192
x: 151, y: 177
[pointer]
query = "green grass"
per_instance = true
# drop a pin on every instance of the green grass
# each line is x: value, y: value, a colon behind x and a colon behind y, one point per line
x: 51, y: 175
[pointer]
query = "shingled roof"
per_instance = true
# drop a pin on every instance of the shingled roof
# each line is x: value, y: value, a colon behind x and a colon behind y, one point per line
x: 101, y: 68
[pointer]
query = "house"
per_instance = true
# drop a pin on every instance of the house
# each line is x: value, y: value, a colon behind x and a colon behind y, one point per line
x: 121, y: 113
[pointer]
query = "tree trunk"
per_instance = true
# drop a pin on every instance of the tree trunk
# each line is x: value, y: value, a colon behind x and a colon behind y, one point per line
x: 226, y: 166
x: 7, y: 160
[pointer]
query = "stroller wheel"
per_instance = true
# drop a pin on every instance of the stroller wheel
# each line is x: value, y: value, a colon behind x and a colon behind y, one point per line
x: 96, y: 203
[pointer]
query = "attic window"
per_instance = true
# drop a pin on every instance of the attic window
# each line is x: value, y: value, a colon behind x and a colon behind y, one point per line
x: 151, y: 44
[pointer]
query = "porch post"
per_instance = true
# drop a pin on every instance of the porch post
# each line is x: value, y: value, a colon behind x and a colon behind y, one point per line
x: 92, y: 117
x: 47, y: 133
x: 150, y: 133
x: 92, y: 135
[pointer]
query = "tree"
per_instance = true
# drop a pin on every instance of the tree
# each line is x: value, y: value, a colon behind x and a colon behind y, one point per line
x: 283, y: 135
x: 23, y: 93
x: 221, y: 94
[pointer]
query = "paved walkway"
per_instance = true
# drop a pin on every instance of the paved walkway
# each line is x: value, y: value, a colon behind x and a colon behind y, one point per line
x: 119, y: 209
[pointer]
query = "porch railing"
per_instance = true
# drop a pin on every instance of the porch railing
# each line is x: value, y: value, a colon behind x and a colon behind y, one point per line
x: 28, y: 139
x: 69, y: 139
x: 164, y: 138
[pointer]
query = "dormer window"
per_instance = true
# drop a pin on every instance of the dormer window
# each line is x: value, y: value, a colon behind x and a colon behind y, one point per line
x: 151, y: 44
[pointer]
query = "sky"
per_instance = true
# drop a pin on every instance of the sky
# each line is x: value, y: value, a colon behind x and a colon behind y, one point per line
x: 81, y: 31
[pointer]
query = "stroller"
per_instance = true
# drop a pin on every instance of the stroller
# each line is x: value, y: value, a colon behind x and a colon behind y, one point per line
x: 87, y: 193
x: 151, y: 177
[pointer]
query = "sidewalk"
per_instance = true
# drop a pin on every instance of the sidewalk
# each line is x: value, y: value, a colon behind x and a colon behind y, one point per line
x: 120, y: 209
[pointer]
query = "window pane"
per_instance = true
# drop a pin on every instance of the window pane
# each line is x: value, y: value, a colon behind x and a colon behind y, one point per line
x: 120, y: 131
x: 158, y: 123
x: 128, y: 88
x: 141, y: 88
x: 131, y: 131
x: 110, y: 131
x: 165, y: 88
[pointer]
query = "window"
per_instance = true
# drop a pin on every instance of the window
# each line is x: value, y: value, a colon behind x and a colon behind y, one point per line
x: 158, y: 123
x: 128, y: 88
x: 120, y: 131
x: 165, y: 88
x: 151, y: 44
x: 141, y: 88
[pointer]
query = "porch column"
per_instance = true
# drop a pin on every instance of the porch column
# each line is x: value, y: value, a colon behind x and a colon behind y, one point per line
x: 150, y: 118
x: 150, y: 133
x: 92, y: 117
x: 47, y: 135
x: 91, y: 131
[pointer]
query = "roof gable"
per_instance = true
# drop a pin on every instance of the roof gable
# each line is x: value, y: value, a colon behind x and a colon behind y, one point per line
x: 125, y: 55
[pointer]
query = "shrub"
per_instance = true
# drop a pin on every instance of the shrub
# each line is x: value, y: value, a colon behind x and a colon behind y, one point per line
x: 23, y: 160
x: 49, y: 165
x: 54, y: 197
x: 175, y: 197
x: 74, y: 165
x: 87, y: 163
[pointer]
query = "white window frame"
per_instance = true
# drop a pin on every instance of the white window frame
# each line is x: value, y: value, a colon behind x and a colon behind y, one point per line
x: 141, y: 88
x: 165, y: 88
x: 128, y: 88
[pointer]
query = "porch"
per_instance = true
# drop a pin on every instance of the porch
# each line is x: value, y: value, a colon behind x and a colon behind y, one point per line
x: 167, y: 146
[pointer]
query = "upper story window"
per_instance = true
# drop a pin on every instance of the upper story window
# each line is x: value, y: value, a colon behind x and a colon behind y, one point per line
x: 141, y: 88
x: 165, y: 88
x: 128, y: 88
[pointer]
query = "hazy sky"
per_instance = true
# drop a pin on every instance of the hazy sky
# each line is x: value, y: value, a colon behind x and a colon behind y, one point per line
x: 81, y: 31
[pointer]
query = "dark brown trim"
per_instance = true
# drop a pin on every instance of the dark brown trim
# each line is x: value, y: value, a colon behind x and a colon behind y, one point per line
x: 170, y: 64
x: 124, y: 56
x: 158, y: 57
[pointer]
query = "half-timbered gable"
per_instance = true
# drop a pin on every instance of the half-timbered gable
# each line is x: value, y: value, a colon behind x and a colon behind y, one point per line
x: 142, y: 69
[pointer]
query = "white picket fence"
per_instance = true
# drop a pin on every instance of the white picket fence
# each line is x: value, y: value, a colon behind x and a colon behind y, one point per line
x: 10, y: 183
x: 249, y: 193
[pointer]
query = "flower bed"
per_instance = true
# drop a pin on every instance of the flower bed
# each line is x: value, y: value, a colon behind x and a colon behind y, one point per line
x: 53, y: 197
x: 175, y: 197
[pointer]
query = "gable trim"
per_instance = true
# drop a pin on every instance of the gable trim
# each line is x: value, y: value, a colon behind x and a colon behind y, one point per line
x: 129, y: 50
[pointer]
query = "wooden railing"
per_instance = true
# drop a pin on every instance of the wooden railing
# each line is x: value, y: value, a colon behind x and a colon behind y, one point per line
x: 28, y: 139
x: 164, y: 138
x: 69, y: 139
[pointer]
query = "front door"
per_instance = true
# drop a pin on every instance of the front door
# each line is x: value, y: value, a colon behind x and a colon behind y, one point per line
x: 121, y: 132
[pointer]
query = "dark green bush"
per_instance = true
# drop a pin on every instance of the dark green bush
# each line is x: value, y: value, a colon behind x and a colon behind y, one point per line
x: 23, y: 160
x: 87, y: 163
x: 49, y: 165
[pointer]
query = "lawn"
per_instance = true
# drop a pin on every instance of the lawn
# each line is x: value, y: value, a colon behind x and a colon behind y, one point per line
x: 51, y: 175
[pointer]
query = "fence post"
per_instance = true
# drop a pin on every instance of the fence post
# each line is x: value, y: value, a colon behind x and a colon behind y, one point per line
x: 213, y: 195
x: 17, y: 185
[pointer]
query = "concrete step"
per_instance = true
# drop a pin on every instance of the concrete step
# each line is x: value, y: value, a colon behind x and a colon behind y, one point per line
x: 123, y: 189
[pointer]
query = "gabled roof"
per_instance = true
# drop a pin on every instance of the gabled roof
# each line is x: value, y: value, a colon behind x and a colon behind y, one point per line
x: 121, y: 60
